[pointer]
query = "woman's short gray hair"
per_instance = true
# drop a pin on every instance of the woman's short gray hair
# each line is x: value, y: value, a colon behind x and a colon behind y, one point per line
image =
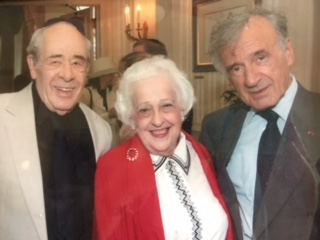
x: 227, y: 32
x: 145, y: 69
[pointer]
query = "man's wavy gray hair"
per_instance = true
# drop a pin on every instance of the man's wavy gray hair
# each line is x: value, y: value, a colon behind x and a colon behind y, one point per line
x: 226, y: 33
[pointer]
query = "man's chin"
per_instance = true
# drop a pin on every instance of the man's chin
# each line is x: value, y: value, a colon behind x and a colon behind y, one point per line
x: 63, y: 110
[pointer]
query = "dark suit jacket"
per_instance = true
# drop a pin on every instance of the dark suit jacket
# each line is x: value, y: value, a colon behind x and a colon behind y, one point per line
x: 291, y: 201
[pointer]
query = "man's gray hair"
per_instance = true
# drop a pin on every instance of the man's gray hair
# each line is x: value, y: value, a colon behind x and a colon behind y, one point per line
x: 226, y: 33
x: 145, y: 69
x: 34, y: 47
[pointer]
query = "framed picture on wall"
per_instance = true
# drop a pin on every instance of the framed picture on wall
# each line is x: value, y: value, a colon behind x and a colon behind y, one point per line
x: 205, y: 15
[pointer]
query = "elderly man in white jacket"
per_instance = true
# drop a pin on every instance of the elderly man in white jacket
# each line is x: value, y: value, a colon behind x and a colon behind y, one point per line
x: 49, y: 142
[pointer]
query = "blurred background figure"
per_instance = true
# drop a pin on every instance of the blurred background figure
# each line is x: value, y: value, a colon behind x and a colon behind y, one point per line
x: 131, y: 58
x: 160, y: 183
x: 151, y: 46
x: 20, y: 81
x: 100, y: 92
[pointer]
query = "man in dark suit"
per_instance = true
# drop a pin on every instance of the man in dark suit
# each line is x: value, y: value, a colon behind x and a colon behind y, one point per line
x: 253, y: 50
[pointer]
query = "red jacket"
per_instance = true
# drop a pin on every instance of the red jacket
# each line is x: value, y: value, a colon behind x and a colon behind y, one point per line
x: 126, y: 196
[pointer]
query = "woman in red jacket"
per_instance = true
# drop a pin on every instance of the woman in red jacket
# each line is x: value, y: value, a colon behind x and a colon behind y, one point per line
x: 160, y: 183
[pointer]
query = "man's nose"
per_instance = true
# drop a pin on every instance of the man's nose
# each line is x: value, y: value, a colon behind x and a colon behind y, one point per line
x: 66, y: 71
x: 252, y: 75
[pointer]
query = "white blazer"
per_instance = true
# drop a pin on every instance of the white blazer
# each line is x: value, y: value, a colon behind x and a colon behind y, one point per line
x: 22, y: 212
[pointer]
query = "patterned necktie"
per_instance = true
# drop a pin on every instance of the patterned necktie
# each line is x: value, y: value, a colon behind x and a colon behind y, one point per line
x: 268, y: 146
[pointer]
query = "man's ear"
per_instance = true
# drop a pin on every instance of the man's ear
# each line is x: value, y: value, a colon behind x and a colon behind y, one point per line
x: 32, y: 66
x: 289, y: 52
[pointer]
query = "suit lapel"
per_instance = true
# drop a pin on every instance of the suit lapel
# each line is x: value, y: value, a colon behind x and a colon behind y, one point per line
x: 22, y: 136
x: 306, y: 121
x: 230, y: 134
x: 101, y: 142
x: 294, y: 158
